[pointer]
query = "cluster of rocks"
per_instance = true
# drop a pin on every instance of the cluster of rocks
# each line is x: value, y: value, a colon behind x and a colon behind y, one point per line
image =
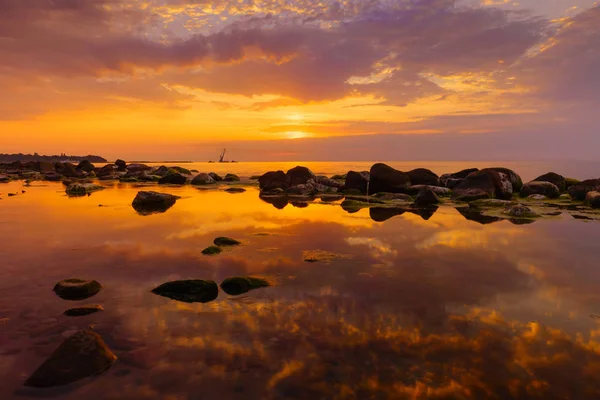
x: 204, y: 291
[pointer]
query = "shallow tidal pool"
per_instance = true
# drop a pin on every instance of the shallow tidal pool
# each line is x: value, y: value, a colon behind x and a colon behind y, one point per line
x: 362, y: 305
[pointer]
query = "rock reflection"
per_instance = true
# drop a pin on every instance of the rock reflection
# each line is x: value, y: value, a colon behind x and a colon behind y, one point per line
x: 381, y: 214
x: 279, y: 202
x: 473, y: 214
x: 425, y: 212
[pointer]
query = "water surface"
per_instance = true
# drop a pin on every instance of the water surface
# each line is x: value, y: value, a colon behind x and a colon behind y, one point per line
x: 403, y: 307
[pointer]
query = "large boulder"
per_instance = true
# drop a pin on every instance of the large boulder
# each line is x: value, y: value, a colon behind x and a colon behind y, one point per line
x: 202, y: 179
x: 86, y: 166
x: 423, y: 176
x: 306, y: 189
x: 66, y: 169
x: 544, y: 188
x: 325, y: 181
x: 82, y: 355
x: 107, y: 171
x: 153, y: 202
x: 231, y: 178
x: 515, y: 179
x: 495, y: 184
x: 273, y: 180
x: 580, y: 190
x: 121, y: 165
x: 452, y: 180
x: 215, y: 176
x: 426, y: 197
x: 554, y: 178
x: 358, y: 181
x: 172, y: 179
x: 384, y: 178
x: 300, y: 176
x: 189, y: 291
x: 592, y: 199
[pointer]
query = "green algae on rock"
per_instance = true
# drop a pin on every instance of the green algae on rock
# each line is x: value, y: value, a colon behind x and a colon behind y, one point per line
x: 189, y: 291
x: 80, y: 356
x: 240, y: 285
x: 77, y: 289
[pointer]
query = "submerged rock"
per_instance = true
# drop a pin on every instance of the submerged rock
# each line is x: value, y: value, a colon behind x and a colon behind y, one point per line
x: 235, y: 190
x: 240, y: 285
x: 358, y: 181
x: 203, y: 179
x: 231, y: 178
x: 152, y: 202
x: 592, y: 199
x: 82, y: 355
x: 384, y: 178
x: 579, y: 190
x: 544, y: 188
x: 554, y: 178
x: 423, y: 176
x: 83, y: 310
x: 426, y: 197
x: 189, y: 291
x: 77, y: 289
x: 225, y: 241
x: 520, y: 211
x: 173, y: 179
x: 212, y: 250
x: 83, y: 188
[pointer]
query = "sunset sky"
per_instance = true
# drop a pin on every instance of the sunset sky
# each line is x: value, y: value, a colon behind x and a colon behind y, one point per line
x: 301, y: 80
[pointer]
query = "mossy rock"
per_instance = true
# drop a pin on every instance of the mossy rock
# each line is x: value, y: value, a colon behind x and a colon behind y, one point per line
x: 83, y: 310
x: 77, y: 289
x: 339, y: 177
x: 80, y: 356
x: 189, y: 291
x: 225, y: 241
x: 182, y: 170
x: 83, y: 188
x: 231, y: 178
x: 240, y: 285
x: 212, y: 250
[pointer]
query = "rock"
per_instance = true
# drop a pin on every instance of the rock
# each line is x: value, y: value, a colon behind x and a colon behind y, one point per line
x: 86, y: 166
x: 273, y: 180
x: 398, y: 197
x: 152, y: 202
x: 255, y: 177
x: 438, y: 190
x: 570, y: 182
x: 161, y: 171
x: 495, y: 184
x: 357, y: 181
x: 172, y: 179
x: 592, y: 199
x: 216, y: 176
x: 426, y: 197
x: 384, y: 178
x: 490, y: 203
x: 137, y: 167
x: 520, y: 211
x: 537, y: 197
x: 303, y: 190
x: 513, y: 177
x: 231, y: 178
x: 235, y: 190
x: 82, y: 355
x: 107, y: 170
x: 579, y: 190
x: 79, y: 189
x: 452, y: 180
x: 212, y: 250
x: 544, y: 188
x: 225, y: 241
x: 83, y: 310
x: 181, y: 170
x: 121, y: 165
x: 203, y: 179
x: 4, y: 179
x: 554, y: 178
x: 43, y: 166
x: 77, y: 289
x: 66, y: 169
x: 240, y: 285
x: 325, y: 181
x: 189, y: 291
x: 469, y: 195
x: 299, y: 176
x: 423, y: 176
x: 53, y: 176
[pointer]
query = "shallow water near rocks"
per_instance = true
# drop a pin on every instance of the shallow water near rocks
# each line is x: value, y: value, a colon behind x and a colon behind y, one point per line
x: 408, y: 308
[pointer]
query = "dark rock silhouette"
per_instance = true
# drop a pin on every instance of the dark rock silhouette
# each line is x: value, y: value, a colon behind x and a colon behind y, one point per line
x: 423, y: 176
x: 240, y: 285
x: 189, y: 291
x: 543, y: 188
x: 556, y: 179
x: 384, y: 178
x: 146, y: 203
x: 77, y: 289
x: 581, y: 189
